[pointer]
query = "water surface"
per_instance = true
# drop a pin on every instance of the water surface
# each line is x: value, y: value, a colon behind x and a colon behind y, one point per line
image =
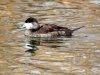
x: 76, y: 55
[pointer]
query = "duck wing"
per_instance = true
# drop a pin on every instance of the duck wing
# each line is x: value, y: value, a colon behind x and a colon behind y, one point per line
x: 52, y: 27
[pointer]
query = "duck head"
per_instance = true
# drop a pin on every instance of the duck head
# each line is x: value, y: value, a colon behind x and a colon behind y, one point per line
x: 30, y: 23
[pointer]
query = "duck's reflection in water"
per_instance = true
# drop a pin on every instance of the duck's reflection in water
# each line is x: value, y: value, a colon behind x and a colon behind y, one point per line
x: 54, y: 42
x: 31, y: 44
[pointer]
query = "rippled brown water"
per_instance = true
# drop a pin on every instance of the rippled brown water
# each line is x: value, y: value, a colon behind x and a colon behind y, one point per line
x: 76, y: 55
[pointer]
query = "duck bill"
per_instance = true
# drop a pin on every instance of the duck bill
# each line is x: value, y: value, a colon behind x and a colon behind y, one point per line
x: 21, y: 27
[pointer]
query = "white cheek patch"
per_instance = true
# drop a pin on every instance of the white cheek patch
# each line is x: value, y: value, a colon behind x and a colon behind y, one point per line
x: 28, y: 25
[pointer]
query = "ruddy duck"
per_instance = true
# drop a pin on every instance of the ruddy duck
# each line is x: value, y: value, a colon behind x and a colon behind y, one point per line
x: 47, y: 30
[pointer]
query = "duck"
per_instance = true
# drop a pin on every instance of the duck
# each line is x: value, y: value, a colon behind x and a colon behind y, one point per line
x: 47, y: 30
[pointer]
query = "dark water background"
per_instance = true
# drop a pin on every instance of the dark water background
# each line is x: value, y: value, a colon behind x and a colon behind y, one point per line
x: 77, y: 55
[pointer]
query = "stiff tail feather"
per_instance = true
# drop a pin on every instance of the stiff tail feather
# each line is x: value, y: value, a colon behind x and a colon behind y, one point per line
x: 77, y: 29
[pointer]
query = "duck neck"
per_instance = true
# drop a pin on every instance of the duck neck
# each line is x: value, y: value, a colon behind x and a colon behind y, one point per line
x: 33, y: 30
